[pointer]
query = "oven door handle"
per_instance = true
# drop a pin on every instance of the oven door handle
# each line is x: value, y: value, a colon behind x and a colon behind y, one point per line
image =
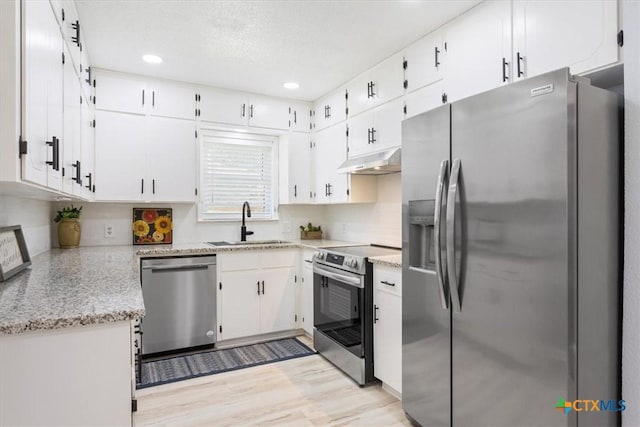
x: 342, y: 278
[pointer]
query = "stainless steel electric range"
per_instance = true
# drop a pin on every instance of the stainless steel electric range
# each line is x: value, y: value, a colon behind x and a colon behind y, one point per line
x: 343, y: 308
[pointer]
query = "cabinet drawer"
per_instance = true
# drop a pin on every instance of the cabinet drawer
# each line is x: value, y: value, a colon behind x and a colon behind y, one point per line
x: 241, y: 260
x: 387, y: 279
x: 278, y: 258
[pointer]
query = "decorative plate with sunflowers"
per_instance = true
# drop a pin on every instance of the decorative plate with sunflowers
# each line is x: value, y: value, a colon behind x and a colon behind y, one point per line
x: 152, y: 226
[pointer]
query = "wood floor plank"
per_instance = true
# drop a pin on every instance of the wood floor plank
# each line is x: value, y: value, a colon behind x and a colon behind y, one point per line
x: 308, y: 391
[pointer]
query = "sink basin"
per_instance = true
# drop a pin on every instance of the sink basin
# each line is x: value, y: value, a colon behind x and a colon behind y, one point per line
x: 248, y: 243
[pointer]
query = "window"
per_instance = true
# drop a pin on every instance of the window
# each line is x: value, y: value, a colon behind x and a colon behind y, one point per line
x: 234, y: 168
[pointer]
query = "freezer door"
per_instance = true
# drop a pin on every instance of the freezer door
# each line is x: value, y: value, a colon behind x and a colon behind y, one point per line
x: 513, y: 341
x: 426, y: 357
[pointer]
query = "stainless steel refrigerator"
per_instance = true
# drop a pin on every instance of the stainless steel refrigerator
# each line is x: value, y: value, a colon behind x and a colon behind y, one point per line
x: 511, y: 256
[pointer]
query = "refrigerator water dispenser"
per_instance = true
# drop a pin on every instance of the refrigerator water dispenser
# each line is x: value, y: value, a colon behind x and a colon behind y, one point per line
x: 421, y: 236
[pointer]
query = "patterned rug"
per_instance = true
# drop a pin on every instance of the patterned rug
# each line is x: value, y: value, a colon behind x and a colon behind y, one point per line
x: 178, y: 368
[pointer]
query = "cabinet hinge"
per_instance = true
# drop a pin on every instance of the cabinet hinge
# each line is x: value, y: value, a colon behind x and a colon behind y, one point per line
x: 22, y: 147
x: 220, y: 328
x: 196, y: 133
x: 220, y: 283
x: 63, y: 14
x: 94, y: 100
x: 347, y: 131
x: 63, y: 57
x: 444, y: 98
x: 196, y: 195
x: 310, y: 144
x: 295, y: 317
x: 94, y: 123
x: 346, y: 111
x: 289, y: 123
x: 404, y: 64
x: 134, y: 405
x: 295, y: 279
x: 63, y: 172
x: 406, y: 84
x: 445, y: 46
x: 310, y: 126
x: 620, y: 38
x: 80, y: 99
x: 404, y: 109
x: 346, y: 94
x: 347, y: 191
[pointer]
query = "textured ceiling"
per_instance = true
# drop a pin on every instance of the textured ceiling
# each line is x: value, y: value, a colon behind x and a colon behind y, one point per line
x: 257, y: 45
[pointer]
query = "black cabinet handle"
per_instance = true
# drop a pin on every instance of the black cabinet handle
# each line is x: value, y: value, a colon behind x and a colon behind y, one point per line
x: 243, y: 109
x: 153, y: 186
x: 504, y: 70
x: 88, y: 79
x: 153, y: 98
x: 142, y: 96
x: 251, y: 111
x: 77, y: 178
x: 55, y: 154
x: 142, y: 190
x: 89, y: 177
x: 384, y: 282
x: 329, y: 111
x: 329, y: 189
x: 76, y: 26
x: 373, y: 135
x: 295, y: 190
x: 263, y: 287
x: 370, y: 89
x: 295, y: 117
x: 375, y: 313
x: 437, y: 52
x: 520, y: 58
x: 258, y: 287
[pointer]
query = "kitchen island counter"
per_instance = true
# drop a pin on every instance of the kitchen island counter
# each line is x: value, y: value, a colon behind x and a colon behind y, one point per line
x: 72, y: 287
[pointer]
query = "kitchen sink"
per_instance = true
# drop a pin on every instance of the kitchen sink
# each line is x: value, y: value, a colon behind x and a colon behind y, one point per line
x: 250, y: 243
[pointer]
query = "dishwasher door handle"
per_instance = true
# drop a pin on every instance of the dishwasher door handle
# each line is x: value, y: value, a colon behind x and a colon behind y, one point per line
x: 185, y: 267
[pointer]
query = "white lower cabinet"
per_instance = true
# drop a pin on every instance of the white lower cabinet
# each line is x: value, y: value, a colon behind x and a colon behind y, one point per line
x: 306, y: 292
x: 256, y: 292
x: 387, y: 326
x: 85, y: 380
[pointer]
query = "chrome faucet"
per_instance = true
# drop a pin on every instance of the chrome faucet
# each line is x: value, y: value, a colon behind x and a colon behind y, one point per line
x: 243, y: 229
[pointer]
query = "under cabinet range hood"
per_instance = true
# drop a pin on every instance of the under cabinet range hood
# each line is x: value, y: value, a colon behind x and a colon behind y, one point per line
x: 380, y: 163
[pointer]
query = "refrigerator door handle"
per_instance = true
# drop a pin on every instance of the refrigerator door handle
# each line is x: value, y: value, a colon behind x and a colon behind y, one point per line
x: 442, y: 176
x: 451, y: 223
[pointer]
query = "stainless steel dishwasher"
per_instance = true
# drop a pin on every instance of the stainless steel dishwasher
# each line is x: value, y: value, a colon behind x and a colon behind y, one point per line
x: 180, y: 302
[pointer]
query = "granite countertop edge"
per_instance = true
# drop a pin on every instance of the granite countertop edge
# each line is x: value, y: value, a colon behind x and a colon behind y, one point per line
x: 394, y: 261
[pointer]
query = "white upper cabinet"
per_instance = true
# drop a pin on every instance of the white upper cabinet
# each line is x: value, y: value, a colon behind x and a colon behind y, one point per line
x: 42, y: 95
x: 330, y: 109
x: 295, y: 170
x: 377, y: 129
x: 222, y: 106
x: 72, y: 31
x: 265, y: 112
x: 382, y: 83
x: 122, y: 93
x: 172, y: 99
x: 554, y: 34
x: 88, y: 150
x: 478, y: 50
x: 424, y: 62
x: 71, y: 138
x: 423, y: 99
x: 329, y: 152
x: 300, y: 116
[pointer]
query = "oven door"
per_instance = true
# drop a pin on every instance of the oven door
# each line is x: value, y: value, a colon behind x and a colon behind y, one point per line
x: 338, y: 304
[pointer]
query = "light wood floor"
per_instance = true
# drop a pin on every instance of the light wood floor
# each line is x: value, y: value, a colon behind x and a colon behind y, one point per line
x: 308, y: 391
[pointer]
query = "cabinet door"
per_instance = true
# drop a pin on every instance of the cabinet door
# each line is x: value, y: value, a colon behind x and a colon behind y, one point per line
x: 43, y: 92
x: 239, y: 304
x: 388, y: 79
x: 86, y: 76
x: 423, y: 99
x: 277, y: 300
x: 125, y: 94
x: 299, y: 168
x: 121, y: 158
x: 268, y: 113
x: 172, y: 99
x: 300, y: 117
x: 387, y: 339
x: 387, y: 125
x: 360, y: 134
x: 424, y: 61
x: 306, y: 303
x: 72, y: 32
x: 330, y: 152
x: 331, y: 109
x: 222, y: 106
x: 87, y: 142
x: 477, y: 43
x: 360, y: 95
x: 552, y: 35
x: 71, y: 143
x: 171, y: 144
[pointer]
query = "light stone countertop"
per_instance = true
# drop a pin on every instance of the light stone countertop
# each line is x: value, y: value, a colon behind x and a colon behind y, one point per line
x: 72, y: 287
x: 387, y: 260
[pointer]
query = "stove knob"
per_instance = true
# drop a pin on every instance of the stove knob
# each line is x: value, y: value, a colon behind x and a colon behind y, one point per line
x: 351, y: 263
x: 319, y: 255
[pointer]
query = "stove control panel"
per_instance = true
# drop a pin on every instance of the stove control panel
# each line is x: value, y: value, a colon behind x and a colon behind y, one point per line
x: 351, y: 262
x: 318, y: 255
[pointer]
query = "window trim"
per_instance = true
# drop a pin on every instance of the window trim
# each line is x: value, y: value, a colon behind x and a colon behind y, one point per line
x: 239, y: 134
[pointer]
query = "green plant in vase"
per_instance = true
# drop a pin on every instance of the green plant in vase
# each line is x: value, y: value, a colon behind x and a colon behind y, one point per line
x: 68, y: 226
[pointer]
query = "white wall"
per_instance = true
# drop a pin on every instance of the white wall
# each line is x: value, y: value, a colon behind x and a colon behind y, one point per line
x: 379, y: 223
x: 35, y: 218
x: 631, y: 308
x: 186, y: 229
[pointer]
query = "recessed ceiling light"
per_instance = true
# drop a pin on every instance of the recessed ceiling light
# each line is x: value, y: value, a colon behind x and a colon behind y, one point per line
x: 152, y: 59
x: 291, y: 85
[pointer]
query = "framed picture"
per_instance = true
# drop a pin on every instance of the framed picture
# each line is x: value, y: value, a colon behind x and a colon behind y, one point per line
x: 14, y: 256
x: 152, y: 226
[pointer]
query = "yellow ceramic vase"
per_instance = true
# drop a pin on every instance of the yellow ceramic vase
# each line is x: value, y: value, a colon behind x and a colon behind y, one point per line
x: 69, y: 233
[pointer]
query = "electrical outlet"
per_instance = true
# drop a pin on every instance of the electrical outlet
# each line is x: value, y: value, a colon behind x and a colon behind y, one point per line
x: 109, y: 231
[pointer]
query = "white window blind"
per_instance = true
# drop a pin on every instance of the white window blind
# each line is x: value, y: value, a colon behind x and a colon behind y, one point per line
x: 234, y: 170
